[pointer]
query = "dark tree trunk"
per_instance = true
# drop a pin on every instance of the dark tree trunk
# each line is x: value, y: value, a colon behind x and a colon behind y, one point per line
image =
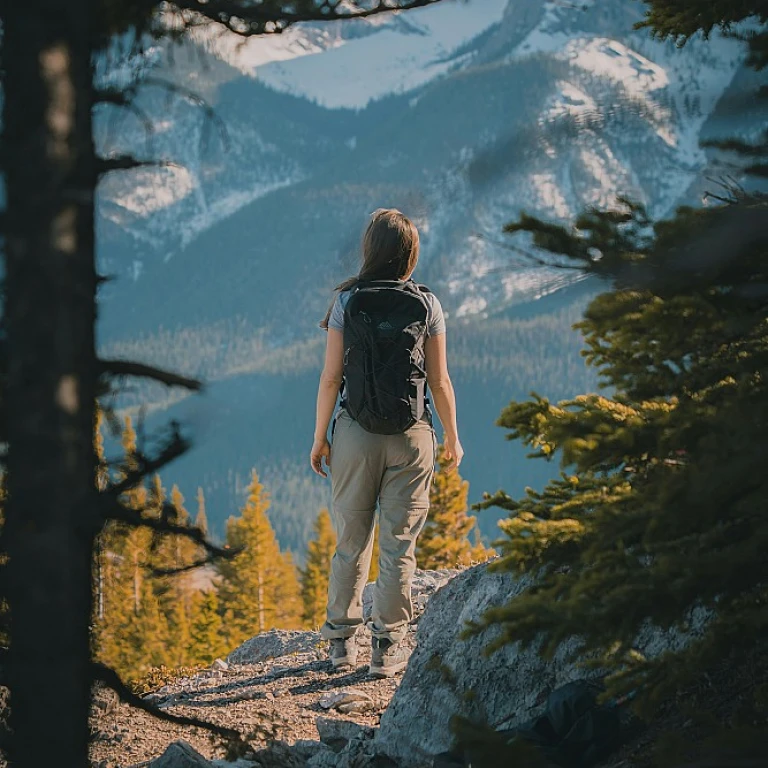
x: 48, y: 162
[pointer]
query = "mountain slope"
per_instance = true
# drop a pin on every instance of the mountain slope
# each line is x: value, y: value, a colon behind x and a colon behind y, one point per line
x: 228, y: 261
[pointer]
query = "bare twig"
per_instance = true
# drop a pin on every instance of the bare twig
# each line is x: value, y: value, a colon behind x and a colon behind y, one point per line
x: 125, y: 98
x: 258, y: 20
x: 111, y: 679
x: 145, y: 467
x: 127, y: 163
x: 194, y: 98
x: 202, y: 562
x: 113, y: 510
x: 129, y: 368
x: 530, y: 259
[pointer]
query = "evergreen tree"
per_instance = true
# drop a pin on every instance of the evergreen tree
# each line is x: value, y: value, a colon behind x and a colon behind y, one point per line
x: 659, y: 509
x: 123, y: 551
x: 176, y: 590
x: 288, y: 603
x: 3, y: 560
x: 445, y: 540
x: 206, y: 629
x: 147, y: 641
x: 252, y: 583
x: 201, y: 519
x: 682, y: 19
x: 317, y: 571
x: 50, y: 367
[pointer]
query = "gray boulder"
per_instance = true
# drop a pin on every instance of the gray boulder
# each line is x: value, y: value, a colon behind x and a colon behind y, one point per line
x: 449, y: 676
x: 337, y: 733
x: 423, y: 585
x: 180, y: 755
x: 282, y: 755
x: 273, y: 645
x: 356, y: 754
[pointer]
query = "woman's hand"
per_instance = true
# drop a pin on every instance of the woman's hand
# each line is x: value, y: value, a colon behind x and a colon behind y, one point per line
x: 321, y: 447
x: 452, y: 451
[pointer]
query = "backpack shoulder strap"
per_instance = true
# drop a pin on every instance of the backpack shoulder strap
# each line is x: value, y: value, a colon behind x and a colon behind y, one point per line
x: 418, y: 290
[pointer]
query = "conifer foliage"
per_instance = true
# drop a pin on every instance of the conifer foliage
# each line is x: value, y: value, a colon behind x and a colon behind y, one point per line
x: 146, y: 619
x: 317, y: 571
x: 49, y: 370
x: 659, y: 512
x: 258, y: 589
x: 445, y: 541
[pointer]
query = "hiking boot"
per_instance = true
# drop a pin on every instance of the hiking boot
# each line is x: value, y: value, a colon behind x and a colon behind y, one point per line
x: 387, y: 658
x: 342, y: 652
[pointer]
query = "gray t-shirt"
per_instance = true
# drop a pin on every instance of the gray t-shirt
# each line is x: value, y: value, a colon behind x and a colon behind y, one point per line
x: 435, y: 318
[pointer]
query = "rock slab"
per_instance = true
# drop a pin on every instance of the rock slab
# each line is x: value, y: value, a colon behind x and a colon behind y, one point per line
x: 180, y: 755
x: 273, y: 645
x: 450, y: 676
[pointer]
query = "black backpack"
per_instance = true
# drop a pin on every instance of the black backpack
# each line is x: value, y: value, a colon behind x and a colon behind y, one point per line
x: 385, y: 326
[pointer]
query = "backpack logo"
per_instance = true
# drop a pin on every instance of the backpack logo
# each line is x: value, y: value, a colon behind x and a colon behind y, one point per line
x: 385, y: 326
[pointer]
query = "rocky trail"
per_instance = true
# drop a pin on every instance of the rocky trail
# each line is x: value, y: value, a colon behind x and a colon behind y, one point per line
x: 278, y: 690
x: 276, y: 687
x: 290, y: 698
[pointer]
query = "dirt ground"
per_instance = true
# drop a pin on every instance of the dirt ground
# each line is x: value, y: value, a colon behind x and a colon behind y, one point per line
x: 277, y: 699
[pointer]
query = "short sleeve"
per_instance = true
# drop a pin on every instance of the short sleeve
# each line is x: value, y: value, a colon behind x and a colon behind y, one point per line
x: 435, y: 319
x: 336, y: 320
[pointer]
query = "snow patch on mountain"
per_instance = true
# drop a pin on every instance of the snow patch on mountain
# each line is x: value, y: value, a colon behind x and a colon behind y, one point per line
x: 549, y: 196
x: 614, y: 60
x: 571, y: 100
x: 217, y: 209
x: 356, y: 68
x: 548, y: 36
x: 155, y: 188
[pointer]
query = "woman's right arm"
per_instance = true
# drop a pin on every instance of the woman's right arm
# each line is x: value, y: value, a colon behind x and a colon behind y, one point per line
x: 443, y: 396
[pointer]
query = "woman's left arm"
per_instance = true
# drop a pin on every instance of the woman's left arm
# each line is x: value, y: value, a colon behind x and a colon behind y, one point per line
x: 327, y: 392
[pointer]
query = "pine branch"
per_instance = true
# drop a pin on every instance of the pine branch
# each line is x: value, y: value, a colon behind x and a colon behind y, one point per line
x: 129, y: 368
x: 189, y: 95
x: 175, y: 447
x: 114, y: 510
x: 111, y: 679
x: 527, y: 259
x: 124, y: 98
x: 202, y: 562
x: 738, y: 146
x: 258, y: 19
x: 105, y: 165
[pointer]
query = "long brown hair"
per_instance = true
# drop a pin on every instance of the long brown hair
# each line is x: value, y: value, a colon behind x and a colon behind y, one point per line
x: 390, y: 251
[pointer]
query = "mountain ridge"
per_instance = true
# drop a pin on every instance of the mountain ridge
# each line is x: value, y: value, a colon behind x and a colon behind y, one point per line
x: 548, y: 109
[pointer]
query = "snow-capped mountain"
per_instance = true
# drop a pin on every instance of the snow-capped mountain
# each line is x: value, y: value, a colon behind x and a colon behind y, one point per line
x: 461, y: 114
x: 598, y: 110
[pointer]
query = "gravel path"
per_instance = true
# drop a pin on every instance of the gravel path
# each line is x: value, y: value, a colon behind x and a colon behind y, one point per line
x: 277, y: 699
x: 271, y: 690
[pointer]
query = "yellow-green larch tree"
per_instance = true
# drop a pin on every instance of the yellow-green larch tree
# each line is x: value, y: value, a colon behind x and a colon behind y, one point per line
x: 445, y: 541
x: 206, y: 628
x: 288, y: 603
x: 251, y: 584
x: 317, y: 571
x: 120, y: 575
x: 201, y: 519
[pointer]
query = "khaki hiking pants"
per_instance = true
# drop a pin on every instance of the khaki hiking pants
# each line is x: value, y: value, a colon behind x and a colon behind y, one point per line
x: 396, y: 471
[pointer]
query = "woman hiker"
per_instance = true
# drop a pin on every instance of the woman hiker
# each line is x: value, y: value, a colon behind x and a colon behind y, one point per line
x: 385, y: 345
